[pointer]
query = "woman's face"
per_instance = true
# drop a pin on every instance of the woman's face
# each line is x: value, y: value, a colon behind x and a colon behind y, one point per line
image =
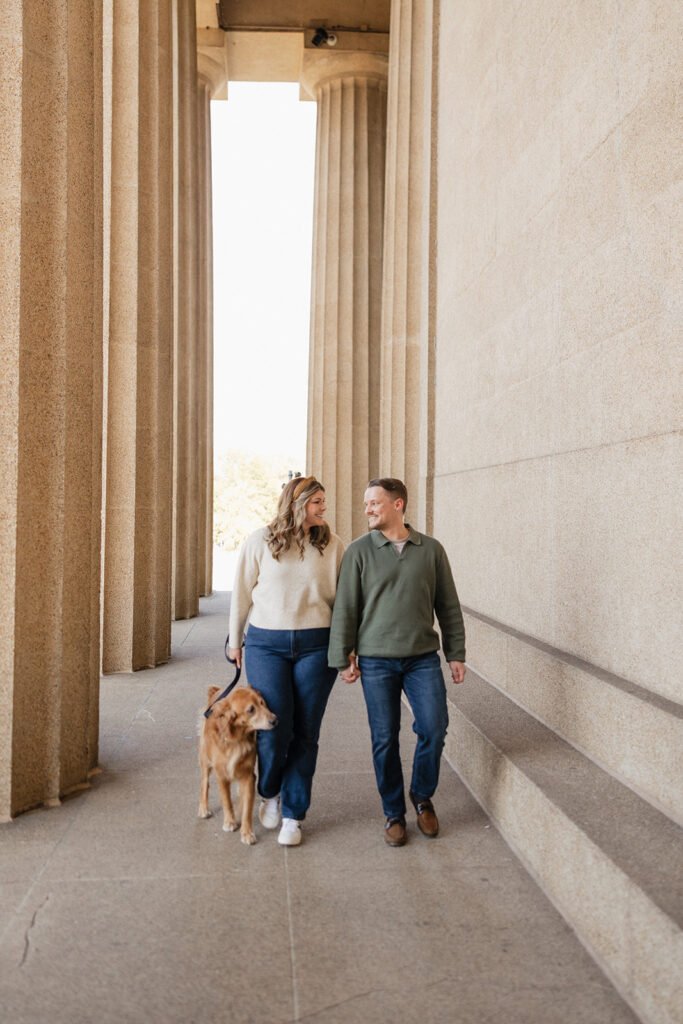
x: 315, y: 510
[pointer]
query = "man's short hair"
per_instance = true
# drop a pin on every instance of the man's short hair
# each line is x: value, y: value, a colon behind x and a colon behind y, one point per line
x: 396, y: 488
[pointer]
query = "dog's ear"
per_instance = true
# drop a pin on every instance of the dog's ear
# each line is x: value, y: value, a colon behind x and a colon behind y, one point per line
x: 230, y: 715
x: 212, y: 691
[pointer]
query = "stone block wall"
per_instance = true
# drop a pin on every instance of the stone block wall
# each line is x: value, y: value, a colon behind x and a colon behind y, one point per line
x: 557, y: 453
x: 556, y: 368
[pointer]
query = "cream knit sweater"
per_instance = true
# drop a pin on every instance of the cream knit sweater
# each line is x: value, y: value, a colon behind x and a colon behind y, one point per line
x: 289, y: 593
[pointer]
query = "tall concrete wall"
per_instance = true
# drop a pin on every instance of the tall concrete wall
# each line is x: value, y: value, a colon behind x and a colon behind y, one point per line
x: 556, y: 454
x: 556, y: 365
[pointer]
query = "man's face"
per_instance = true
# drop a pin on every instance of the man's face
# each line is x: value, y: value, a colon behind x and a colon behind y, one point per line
x: 382, y: 512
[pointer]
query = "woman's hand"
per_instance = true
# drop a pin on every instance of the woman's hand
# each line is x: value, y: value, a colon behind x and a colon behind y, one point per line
x: 235, y: 654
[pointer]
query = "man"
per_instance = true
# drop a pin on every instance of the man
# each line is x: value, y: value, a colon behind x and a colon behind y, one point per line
x: 391, y: 583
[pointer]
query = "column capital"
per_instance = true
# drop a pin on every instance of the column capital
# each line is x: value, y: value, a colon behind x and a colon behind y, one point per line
x: 319, y: 68
x: 212, y: 61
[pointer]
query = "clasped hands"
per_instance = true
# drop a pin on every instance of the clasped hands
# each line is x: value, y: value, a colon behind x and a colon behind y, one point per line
x: 352, y: 673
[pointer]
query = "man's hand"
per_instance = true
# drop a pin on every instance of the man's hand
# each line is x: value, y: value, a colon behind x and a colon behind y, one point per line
x: 352, y: 673
x: 235, y: 654
x: 457, y: 670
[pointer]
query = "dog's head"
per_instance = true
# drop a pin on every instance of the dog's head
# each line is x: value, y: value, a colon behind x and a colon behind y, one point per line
x: 242, y: 711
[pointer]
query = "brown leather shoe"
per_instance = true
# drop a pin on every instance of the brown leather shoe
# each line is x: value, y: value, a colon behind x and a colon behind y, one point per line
x: 427, y: 821
x: 395, y: 831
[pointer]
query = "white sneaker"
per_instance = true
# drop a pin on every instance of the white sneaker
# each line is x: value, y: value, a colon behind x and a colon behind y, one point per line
x: 290, y: 833
x: 269, y: 812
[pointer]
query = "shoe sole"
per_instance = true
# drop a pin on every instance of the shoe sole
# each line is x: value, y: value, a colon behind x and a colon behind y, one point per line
x: 400, y: 842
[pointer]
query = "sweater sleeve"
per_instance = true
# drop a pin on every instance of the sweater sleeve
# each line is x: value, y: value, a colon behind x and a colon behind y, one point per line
x: 346, y: 612
x: 246, y: 578
x: 448, y: 612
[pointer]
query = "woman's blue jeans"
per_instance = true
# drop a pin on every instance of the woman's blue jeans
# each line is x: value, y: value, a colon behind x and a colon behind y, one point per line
x: 289, y: 668
x: 421, y: 678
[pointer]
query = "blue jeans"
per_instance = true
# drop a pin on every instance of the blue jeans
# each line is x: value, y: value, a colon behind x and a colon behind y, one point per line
x: 289, y: 668
x: 421, y: 678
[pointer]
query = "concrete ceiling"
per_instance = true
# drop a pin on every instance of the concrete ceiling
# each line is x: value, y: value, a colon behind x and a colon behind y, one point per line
x: 354, y: 15
x: 264, y: 40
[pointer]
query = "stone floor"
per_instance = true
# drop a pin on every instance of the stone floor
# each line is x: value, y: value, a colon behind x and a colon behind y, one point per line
x: 123, y: 906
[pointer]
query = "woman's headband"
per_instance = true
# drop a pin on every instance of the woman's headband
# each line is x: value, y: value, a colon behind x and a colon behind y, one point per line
x: 302, y: 485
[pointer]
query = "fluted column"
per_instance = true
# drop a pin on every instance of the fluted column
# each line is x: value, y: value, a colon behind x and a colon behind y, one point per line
x: 186, y: 315
x: 205, y: 366
x: 406, y: 434
x: 212, y: 71
x: 344, y: 367
x: 50, y: 399
x: 137, y: 563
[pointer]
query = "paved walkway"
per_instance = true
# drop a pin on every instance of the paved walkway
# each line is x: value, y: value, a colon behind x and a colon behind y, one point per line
x: 122, y: 907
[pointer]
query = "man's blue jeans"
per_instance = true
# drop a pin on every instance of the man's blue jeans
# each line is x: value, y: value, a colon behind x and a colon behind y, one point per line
x: 289, y: 668
x: 422, y: 681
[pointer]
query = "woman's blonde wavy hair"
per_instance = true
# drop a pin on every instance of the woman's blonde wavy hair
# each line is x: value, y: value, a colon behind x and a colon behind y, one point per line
x: 287, y: 527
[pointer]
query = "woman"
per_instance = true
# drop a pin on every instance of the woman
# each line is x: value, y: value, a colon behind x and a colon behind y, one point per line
x: 285, y: 581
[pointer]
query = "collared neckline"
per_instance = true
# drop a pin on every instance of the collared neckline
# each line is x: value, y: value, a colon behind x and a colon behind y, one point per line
x: 380, y: 540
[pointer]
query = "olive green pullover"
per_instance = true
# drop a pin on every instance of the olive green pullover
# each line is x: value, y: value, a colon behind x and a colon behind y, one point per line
x: 386, y: 601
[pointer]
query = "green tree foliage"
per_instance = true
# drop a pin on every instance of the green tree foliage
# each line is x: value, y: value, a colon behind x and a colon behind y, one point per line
x: 246, y: 490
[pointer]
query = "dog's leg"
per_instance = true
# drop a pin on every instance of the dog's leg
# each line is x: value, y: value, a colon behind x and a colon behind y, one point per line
x: 229, y: 823
x: 204, y: 811
x: 247, y: 785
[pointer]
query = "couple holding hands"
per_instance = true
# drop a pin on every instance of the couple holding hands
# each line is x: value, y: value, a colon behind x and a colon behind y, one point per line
x: 315, y: 610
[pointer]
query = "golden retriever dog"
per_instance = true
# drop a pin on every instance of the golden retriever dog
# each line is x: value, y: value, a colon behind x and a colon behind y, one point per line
x: 227, y: 743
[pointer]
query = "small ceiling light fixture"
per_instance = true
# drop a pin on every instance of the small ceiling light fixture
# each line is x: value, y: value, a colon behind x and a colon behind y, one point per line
x: 323, y: 36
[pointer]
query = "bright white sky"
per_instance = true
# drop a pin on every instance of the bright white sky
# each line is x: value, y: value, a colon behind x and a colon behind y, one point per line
x: 263, y: 141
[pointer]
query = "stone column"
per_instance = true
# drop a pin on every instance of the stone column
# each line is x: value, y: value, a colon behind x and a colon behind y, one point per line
x: 212, y: 72
x: 186, y: 314
x: 205, y: 366
x: 50, y: 400
x: 408, y: 293
x: 137, y: 562
x: 344, y: 368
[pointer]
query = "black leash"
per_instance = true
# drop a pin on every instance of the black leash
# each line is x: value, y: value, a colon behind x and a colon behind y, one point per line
x: 228, y: 689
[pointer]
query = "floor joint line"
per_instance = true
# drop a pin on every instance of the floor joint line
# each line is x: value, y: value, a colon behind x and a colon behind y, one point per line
x: 292, y: 955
